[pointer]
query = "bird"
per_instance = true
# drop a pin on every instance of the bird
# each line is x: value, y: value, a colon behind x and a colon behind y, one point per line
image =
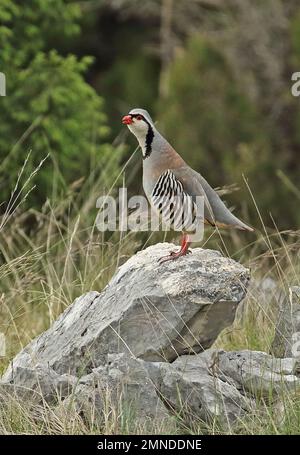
x: 167, y: 178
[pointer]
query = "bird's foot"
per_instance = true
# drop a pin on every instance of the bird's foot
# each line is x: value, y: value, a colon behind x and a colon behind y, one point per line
x: 174, y: 255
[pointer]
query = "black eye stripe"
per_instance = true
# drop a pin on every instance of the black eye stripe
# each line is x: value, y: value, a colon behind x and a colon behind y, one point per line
x: 138, y: 115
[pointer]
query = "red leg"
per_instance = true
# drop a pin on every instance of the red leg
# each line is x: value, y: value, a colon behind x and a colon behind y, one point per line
x: 184, y: 249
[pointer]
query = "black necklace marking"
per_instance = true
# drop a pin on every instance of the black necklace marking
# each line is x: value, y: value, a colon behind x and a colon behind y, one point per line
x: 149, y: 137
x: 149, y: 140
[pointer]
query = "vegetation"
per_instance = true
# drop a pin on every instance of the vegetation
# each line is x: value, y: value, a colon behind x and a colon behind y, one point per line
x: 49, y: 108
x: 220, y: 89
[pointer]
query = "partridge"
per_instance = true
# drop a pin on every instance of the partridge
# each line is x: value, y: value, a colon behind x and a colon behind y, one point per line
x: 167, y: 178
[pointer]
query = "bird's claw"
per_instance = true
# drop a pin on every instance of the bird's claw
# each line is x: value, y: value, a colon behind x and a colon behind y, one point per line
x: 172, y: 256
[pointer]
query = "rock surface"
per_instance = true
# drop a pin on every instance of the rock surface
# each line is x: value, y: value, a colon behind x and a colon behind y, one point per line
x: 287, y: 334
x: 154, y: 312
x: 213, y: 386
x: 138, y: 347
x: 125, y: 383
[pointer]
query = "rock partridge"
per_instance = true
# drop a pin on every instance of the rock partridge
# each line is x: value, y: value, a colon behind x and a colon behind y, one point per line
x: 167, y: 177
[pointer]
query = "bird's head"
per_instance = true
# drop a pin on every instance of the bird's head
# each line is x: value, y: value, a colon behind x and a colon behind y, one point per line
x: 139, y: 123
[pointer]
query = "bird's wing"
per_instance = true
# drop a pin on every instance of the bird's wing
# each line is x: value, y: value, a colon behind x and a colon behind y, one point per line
x: 173, y: 203
x: 216, y: 212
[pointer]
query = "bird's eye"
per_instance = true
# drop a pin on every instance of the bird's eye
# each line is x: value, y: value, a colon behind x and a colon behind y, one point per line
x: 139, y: 117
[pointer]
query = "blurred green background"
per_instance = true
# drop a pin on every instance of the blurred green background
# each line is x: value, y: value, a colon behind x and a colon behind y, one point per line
x: 214, y: 74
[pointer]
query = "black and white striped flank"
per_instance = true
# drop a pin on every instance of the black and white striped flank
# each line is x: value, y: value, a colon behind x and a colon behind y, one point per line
x: 176, y: 207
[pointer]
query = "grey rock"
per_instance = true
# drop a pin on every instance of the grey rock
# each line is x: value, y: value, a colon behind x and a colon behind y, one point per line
x: 213, y: 386
x: 38, y: 384
x: 188, y: 389
x: 286, y: 342
x: 256, y: 373
x: 222, y: 386
x: 123, y: 384
x: 151, y: 311
x: 86, y: 401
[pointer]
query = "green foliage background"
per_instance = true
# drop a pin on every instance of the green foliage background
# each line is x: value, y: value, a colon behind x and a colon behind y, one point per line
x: 74, y: 68
x: 49, y: 107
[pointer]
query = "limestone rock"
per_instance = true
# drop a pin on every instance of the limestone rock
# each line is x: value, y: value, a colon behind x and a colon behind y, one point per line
x: 287, y: 334
x: 188, y: 388
x: 153, y: 312
x: 122, y: 384
x: 38, y: 384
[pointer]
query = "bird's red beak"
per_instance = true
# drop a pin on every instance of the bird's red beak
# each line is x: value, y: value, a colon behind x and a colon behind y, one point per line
x: 127, y: 120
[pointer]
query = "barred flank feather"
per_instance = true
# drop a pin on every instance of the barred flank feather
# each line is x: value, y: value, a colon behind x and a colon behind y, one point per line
x: 175, y: 206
